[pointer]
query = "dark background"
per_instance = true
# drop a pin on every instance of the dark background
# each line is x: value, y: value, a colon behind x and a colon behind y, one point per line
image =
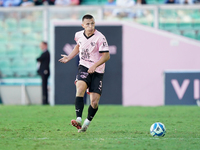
x: 65, y: 74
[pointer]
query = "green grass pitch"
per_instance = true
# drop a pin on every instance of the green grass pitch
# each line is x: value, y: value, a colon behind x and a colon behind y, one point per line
x: 113, y: 128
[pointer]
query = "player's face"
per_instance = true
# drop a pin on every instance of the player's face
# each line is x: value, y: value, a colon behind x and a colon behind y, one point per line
x: 88, y: 25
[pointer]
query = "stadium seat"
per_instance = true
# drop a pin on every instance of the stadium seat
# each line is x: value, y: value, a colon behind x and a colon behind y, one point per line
x: 2, y: 25
x: 170, y: 26
x: 190, y: 34
x: 152, y: 2
x: 19, y: 67
x: 93, y: 2
x: 11, y: 24
x: 3, y: 46
x: 196, y: 25
x: 4, y: 63
x: 38, y: 51
x: 195, y: 14
x: 16, y: 37
x: 6, y: 73
x: 198, y: 35
x: 29, y: 38
x: 185, y: 25
x: 5, y: 70
x: 29, y: 52
x: 160, y: 2
x: 38, y: 37
x: 3, y: 37
x: 25, y: 25
x: 89, y: 2
x: 168, y: 14
x: 178, y: 32
x: 31, y: 67
x: 3, y: 50
x: 37, y: 25
x: 32, y: 38
x: 161, y: 26
x: 14, y: 51
x: 144, y: 22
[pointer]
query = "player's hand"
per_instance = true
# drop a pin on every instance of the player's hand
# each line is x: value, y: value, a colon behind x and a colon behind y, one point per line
x: 91, y: 69
x: 64, y: 59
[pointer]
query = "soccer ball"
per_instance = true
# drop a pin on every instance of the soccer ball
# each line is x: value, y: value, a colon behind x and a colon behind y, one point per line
x: 158, y: 129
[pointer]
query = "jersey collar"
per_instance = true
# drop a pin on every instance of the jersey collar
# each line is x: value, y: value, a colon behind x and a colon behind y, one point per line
x: 87, y: 37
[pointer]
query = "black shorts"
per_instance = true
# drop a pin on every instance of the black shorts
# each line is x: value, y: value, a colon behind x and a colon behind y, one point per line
x: 94, y: 81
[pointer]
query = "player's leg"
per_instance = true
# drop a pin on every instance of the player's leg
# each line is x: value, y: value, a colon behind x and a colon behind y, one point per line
x: 92, y: 109
x: 81, y: 87
x: 94, y: 102
x: 95, y: 94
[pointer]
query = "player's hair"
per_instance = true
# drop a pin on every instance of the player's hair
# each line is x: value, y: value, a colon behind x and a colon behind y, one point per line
x: 45, y: 43
x: 87, y: 17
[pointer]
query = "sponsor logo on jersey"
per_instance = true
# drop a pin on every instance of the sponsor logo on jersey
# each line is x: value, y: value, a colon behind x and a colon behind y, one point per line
x: 83, y: 75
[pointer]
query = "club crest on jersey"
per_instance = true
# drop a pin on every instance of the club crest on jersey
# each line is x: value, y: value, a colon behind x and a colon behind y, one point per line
x: 105, y: 44
x: 93, y: 43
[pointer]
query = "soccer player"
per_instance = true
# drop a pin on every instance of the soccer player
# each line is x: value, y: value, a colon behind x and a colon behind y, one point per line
x: 93, y: 51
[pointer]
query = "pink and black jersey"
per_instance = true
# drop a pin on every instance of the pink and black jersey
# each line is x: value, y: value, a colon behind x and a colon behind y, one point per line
x: 90, y: 49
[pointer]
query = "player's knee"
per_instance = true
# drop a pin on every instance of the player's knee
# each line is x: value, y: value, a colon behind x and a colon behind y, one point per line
x: 80, y: 91
x: 94, y: 104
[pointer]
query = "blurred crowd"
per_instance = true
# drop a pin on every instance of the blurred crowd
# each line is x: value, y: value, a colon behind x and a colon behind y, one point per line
x: 10, y: 3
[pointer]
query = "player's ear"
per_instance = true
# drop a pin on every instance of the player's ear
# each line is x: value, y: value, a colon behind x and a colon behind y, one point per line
x: 82, y: 25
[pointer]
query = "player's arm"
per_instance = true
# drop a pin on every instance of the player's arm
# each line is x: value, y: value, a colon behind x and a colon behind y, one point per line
x: 105, y: 57
x: 66, y: 58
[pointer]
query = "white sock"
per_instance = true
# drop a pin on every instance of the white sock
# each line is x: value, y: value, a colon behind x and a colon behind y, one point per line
x: 87, y: 122
x: 79, y: 119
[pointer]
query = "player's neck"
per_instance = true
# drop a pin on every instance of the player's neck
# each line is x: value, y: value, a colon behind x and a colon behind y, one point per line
x: 88, y: 34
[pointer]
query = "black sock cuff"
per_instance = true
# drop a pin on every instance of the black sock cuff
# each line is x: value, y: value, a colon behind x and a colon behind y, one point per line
x: 91, y: 113
x: 79, y: 99
x: 90, y: 107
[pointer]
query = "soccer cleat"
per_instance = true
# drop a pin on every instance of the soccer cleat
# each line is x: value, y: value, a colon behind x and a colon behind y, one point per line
x: 84, y: 128
x: 76, y: 124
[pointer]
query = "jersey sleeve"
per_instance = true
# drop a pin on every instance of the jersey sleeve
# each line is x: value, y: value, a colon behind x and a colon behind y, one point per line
x: 103, y: 45
x: 76, y: 37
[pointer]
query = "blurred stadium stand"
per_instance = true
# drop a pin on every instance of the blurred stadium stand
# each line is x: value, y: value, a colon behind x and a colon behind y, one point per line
x: 24, y: 28
x: 93, y: 2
